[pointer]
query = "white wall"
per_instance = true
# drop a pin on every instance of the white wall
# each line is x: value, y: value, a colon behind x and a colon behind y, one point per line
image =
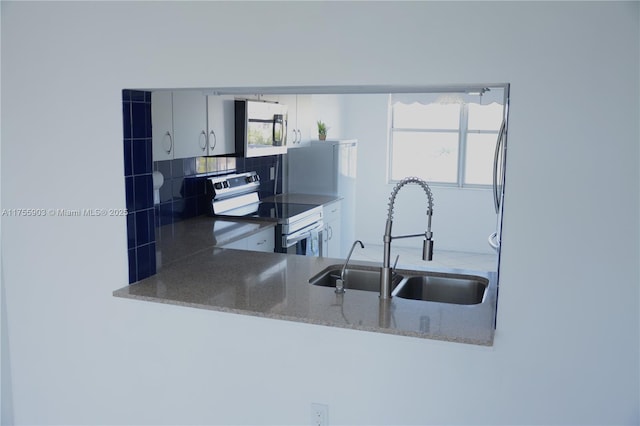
x: 566, y: 347
x: 330, y: 109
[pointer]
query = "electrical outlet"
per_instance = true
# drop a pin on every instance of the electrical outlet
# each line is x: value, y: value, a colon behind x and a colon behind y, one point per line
x: 319, y: 414
x: 272, y: 173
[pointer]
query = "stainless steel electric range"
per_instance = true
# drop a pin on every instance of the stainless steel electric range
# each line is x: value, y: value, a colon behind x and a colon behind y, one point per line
x: 299, y: 227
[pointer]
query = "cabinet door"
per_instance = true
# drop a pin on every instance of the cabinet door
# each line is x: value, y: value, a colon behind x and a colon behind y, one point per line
x: 190, y: 123
x: 162, y: 125
x: 334, y: 230
x: 220, y: 125
x: 332, y: 219
x: 307, y: 128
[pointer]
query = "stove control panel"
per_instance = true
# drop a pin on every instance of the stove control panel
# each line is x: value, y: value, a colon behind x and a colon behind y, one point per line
x: 252, y: 178
x: 233, y: 184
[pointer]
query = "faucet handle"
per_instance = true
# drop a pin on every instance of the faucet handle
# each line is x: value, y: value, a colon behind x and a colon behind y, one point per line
x: 393, y: 268
x: 395, y: 263
x: 339, y: 286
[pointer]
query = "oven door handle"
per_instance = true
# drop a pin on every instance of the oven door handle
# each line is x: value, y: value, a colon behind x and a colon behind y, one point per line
x: 302, y: 234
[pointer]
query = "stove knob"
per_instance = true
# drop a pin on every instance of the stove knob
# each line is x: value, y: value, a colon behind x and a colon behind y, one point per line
x: 256, y: 178
x: 217, y: 185
x: 225, y: 184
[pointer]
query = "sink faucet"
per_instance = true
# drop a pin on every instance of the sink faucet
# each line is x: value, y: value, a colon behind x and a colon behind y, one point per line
x: 427, y: 246
x: 340, y: 281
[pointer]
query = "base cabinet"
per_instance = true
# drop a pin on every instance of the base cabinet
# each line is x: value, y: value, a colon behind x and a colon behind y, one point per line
x: 333, y: 229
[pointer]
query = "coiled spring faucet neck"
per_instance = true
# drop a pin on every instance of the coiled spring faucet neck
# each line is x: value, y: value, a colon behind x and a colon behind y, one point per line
x: 403, y: 182
x: 427, y: 248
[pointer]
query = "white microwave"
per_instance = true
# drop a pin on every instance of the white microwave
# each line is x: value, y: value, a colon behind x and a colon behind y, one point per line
x: 261, y: 128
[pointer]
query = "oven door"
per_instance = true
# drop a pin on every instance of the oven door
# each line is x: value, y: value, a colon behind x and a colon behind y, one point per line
x: 306, y: 242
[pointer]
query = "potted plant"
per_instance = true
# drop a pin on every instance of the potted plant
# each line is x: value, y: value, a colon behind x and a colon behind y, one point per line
x: 322, y: 130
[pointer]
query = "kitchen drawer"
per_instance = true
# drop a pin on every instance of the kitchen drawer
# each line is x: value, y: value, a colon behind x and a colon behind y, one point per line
x: 262, y: 241
x: 332, y: 211
x: 240, y: 244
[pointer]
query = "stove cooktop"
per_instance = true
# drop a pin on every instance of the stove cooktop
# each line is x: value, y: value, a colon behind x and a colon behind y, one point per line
x: 277, y: 210
x: 273, y: 211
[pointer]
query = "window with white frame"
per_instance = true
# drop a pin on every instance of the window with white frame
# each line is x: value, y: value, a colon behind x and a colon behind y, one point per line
x: 445, y: 138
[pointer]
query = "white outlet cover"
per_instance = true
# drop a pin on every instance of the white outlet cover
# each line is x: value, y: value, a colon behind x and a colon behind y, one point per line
x: 319, y: 414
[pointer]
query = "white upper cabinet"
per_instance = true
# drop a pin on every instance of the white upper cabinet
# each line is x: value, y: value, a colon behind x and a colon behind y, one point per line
x: 162, y: 125
x: 190, y: 123
x: 220, y: 125
x: 299, y: 119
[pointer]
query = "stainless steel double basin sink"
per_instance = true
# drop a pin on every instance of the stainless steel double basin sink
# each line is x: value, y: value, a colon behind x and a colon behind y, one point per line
x: 454, y: 288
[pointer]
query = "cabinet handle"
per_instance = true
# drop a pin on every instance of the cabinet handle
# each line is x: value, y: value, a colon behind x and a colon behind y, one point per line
x: 259, y: 243
x: 215, y: 140
x: 330, y: 233
x: 170, y: 142
x: 203, y: 147
x: 299, y: 135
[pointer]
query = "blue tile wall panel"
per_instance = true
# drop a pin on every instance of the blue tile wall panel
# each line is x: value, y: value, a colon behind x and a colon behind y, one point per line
x: 146, y: 260
x: 131, y: 231
x: 141, y: 156
x: 128, y: 182
x: 138, y: 168
x: 128, y: 157
x: 133, y: 270
x: 126, y: 120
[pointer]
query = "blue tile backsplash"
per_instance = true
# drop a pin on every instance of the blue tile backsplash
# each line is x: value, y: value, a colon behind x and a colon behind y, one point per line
x: 183, y: 194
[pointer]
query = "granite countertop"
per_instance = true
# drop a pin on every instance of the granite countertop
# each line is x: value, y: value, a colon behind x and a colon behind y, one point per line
x: 183, y: 239
x: 197, y: 273
x: 276, y: 286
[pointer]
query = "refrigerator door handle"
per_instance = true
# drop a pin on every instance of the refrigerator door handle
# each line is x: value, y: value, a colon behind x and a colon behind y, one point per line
x: 496, y: 166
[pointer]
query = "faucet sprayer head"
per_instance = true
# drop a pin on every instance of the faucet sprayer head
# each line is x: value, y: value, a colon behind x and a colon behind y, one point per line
x: 427, y: 249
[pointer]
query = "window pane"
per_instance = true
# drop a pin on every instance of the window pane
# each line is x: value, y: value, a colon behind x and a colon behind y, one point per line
x: 485, y: 117
x: 430, y: 156
x: 479, y: 164
x: 432, y: 116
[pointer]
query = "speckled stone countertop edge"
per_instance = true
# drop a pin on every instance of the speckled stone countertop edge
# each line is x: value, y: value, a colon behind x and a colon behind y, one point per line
x: 279, y: 317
